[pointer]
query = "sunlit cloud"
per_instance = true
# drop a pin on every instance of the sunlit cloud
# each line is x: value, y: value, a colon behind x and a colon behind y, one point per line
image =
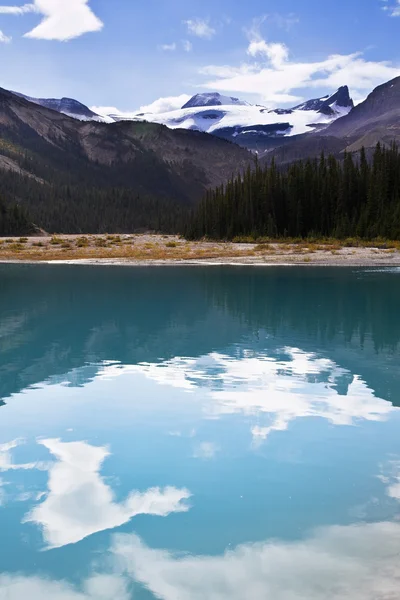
x: 79, y: 503
x: 200, y: 28
x: 187, y: 45
x: 277, y: 54
x: 62, y: 20
x: 279, y: 76
x: 274, y: 75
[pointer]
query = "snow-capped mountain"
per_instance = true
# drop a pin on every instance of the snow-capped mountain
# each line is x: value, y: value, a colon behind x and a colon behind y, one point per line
x: 327, y: 103
x: 213, y: 99
x: 68, y: 106
x: 248, y: 125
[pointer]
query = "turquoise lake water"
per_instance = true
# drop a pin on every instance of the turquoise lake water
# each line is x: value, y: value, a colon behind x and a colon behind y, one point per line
x: 199, y: 433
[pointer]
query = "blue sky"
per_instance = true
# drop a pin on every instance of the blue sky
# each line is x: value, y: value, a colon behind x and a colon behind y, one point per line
x: 125, y: 54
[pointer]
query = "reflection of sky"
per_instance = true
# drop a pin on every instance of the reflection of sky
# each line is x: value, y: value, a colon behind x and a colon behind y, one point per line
x: 293, y: 385
x: 340, y: 563
x: 78, y: 502
x: 175, y: 440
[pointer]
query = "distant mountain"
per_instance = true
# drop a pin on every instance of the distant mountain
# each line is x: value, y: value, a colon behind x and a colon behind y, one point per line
x: 328, y: 104
x: 82, y: 175
x: 213, y: 99
x: 67, y: 106
x: 377, y: 119
x: 251, y: 126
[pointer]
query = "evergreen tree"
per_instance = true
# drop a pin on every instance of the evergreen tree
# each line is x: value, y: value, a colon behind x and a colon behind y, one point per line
x: 325, y: 197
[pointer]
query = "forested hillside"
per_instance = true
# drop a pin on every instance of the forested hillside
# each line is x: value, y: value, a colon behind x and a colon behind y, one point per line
x: 73, y: 176
x: 322, y: 197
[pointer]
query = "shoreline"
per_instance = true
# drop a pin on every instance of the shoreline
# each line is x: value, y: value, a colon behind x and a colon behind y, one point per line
x: 146, y: 250
x: 329, y: 262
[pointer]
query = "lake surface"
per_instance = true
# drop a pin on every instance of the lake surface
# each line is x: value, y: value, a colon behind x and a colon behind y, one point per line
x: 199, y: 433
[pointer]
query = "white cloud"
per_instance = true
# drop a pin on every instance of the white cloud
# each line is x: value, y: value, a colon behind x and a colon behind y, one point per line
x: 357, y: 562
x: 392, y: 9
x: 279, y: 76
x: 168, y: 47
x: 17, y: 10
x: 200, y: 28
x: 63, y: 19
x: 159, y: 106
x: 104, y: 111
x: 79, y: 503
x: 4, y: 39
x: 276, y: 53
x: 97, y: 587
x: 187, y: 45
x: 274, y: 75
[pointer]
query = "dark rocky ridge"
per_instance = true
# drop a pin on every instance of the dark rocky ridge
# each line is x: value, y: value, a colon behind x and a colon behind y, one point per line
x: 63, y: 105
x: 377, y: 119
x: 324, y: 105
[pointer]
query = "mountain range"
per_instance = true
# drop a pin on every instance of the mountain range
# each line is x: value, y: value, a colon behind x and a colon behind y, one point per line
x: 251, y: 126
x: 56, y: 152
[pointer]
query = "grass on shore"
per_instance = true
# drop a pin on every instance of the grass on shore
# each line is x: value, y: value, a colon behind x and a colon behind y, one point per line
x: 158, y: 247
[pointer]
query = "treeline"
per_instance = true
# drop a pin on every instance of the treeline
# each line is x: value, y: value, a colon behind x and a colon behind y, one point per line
x: 320, y: 197
x: 13, y: 220
x: 62, y: 191
x: 85, y: 208
x: 328, y: 197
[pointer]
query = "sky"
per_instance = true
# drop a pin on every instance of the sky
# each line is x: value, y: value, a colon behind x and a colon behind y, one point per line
x: 154, y: 55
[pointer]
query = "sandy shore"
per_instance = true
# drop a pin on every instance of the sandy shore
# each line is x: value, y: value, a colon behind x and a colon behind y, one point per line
x: 156, y: 250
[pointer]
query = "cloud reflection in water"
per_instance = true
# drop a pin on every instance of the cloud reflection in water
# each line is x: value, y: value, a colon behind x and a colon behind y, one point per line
x: 290, y: 385
x: 356, y: 562
x: 79, y: 503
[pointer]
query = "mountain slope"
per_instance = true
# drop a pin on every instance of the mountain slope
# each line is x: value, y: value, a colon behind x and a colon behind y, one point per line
x: 377, y: 119
x: 73, y: 159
